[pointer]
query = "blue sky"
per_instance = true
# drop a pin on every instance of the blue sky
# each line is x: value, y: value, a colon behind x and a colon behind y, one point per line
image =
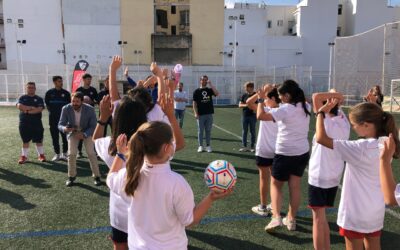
x: 285, y: 2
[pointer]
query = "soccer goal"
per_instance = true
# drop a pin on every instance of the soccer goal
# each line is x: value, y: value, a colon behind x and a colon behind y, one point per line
x: 395, y: 95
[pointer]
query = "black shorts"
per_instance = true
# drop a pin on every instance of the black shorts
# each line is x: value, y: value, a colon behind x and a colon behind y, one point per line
x: 118, y: 236
x: 32, y: 133
x: 321, y: 197
x: 284, y: 166
x: 263, y: 162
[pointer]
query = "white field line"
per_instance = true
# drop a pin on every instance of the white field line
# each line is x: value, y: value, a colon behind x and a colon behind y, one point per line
x: 388, y: 210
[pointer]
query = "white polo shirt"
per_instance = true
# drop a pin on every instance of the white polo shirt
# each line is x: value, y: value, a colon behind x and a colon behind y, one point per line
x: 326, y: 166
x: 160, y: 210
x: 180, y: 105
x: 362, y: 207
x: 397, y: 194
x: 293, y: 126
x: 266, y: 138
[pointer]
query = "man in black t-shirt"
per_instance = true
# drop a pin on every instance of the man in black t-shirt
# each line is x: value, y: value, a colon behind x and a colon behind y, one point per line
x: 203, y: 108
x: 249, y: 118
x: 30, y: 122
x: 55, y: 100
x: 90, y: 97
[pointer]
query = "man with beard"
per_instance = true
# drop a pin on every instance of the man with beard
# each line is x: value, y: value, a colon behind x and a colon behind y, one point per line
x: 78, y: 121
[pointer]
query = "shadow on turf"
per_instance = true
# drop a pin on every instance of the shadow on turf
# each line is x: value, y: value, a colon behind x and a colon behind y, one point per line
x: 222, y: 242
x: 214, y: 139
x: 239, y: 155
x: 200, y: 167
x: 15, y: 200
x: 91, y: 189
x: 20, y: 179
x: 83, y: 167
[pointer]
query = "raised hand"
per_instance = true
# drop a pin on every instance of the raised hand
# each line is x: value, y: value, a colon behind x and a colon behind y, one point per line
x: 116, y: 63
x: 167, y: 105
x: 261, y: 93
x: 105, y: 108
x: 122, y: 144
x: 329, y: 105
x: 155, y: 69
x: 126, y: 71
x: 389, y: 148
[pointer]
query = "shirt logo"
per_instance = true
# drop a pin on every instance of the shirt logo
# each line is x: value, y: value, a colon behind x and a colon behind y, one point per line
x: 62, y: 95
x: 204, y: 93
x: 91, y: 93
x: 35, y: 100
x: 82, y: 65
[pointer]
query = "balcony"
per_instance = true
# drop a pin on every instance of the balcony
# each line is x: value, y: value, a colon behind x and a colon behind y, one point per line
x: 172, y: 49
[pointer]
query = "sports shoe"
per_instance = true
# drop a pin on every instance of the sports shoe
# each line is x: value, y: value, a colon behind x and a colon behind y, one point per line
x: 252, y: 150
x: 243, y: 149
x: 56, y: 157
x: 64, y: 157
x: 200, y: 149
x: 70, y: 181
x: 290, y: 224
x: 209, y: 150
x: 261, y: 211
x: 273, y: 224
x: 97, y: 181
x: 42, y: 158
x: 22, y: 159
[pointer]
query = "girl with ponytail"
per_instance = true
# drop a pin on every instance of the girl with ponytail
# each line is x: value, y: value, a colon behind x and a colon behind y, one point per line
x: 362, y: 207
x: 161, y: 201
x: 291, y: 148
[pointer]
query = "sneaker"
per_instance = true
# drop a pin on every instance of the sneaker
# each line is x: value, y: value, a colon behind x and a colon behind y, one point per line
x: 200, y: 149
x: 273, y: 224
x: 70, y: 181
x: 252, y: 150
x: 290, y: 224
x: 97, y: 181
x: 261, y: 211
x: 64, y: 157
x: 243, y: 149
x: 22, y: 159
x: 80, y: 155
x: 209, y: 150
x: 56, y: 157
x: 42, y: 158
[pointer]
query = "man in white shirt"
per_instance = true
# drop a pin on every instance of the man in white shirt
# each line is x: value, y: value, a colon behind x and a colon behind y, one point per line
x: 181, y: 98
x: 78, y: 120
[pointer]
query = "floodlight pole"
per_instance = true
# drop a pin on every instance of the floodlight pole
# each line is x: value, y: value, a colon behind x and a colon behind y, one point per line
x: 331, y: 47
x: 234, y: 63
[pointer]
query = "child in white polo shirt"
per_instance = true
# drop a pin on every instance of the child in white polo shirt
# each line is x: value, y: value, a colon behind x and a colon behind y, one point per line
x: 162, y: 203
x: 362, y: 207
x: 325, y: 169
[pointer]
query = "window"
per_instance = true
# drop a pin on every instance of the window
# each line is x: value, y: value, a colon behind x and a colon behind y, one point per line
x: 173, y: 9
x: 0, y: 57
x: 338, y: 31
x: 184, y: 17
x: 269, y: 24
x: 230, y: 27
x: 340, y: 8
x: 230, y: 18
x: 20, y: 20
x: 243, y: 22
x: 20, y: 25
x: 241, y: 17
x: 173, y: 30
x: 280, y: 23
x: 162, y: 18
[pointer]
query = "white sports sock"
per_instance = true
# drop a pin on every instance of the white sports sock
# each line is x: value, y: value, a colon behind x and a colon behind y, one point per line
x: 39, y: 150
x: 25, y: 152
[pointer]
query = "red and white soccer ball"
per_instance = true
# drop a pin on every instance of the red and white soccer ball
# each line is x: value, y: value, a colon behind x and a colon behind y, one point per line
x: 220, y: 175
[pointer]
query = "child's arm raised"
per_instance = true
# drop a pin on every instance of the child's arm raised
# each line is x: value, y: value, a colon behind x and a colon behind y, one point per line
x: 201, y: 209
x: 320, y: 133
x: 167, y: 105
x: 319, y: 98
x: 261, y: 114
x: 388, y: 184
x: 105, y: 114
x: 114, y: 66
x: 251, y: 102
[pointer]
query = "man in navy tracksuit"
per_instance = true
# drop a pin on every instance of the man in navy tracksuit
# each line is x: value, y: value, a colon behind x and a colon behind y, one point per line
x: 55, y: 99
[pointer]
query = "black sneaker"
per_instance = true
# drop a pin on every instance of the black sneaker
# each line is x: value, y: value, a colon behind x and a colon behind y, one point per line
x: 80, y: 155
x: 97, y: 181
x: 70, y: 181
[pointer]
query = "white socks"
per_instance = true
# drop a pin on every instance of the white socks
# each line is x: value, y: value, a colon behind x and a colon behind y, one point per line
x: 39, y: 150
x: 25, y: 152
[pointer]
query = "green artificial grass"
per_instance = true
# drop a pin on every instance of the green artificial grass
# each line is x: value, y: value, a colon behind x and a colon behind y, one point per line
x: 33, y: 197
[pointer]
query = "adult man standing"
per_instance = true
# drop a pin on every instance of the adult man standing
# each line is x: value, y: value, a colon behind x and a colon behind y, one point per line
x: 90, y: 97
x: 181, y: 98
x: 203, y: 108
x: 78, y: 121
x: 55, y: 100
x: 30, y: 122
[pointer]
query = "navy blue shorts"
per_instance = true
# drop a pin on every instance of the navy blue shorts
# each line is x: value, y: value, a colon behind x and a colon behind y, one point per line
x: 32, y: 133
x: 118, y: 236
x: 321, y: 197
x: 264, y: 162
x: 285, y: 166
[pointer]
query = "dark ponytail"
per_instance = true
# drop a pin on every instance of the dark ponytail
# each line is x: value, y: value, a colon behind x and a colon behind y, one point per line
x: 147, y: 141
x: 296, y: 94
x: 274, y: 94
x: 384, y: 122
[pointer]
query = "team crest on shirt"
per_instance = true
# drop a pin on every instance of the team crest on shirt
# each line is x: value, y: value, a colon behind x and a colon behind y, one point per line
x: 91, y: 93
x: 35, y: 100
x: 62, y: 95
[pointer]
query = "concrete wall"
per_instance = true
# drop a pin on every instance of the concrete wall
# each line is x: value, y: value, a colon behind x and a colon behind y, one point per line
x: 173, y: 19
x: 207, y: 29
x: 92, y: 30
x: 280, y: 13
x: 137, y: 25
x: 42, y: 30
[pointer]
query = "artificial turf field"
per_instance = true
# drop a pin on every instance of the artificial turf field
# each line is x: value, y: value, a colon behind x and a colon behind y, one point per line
x: 37, y: 210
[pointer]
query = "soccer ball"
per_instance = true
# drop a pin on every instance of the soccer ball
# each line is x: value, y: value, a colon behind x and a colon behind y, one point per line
x: 220, y: 175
